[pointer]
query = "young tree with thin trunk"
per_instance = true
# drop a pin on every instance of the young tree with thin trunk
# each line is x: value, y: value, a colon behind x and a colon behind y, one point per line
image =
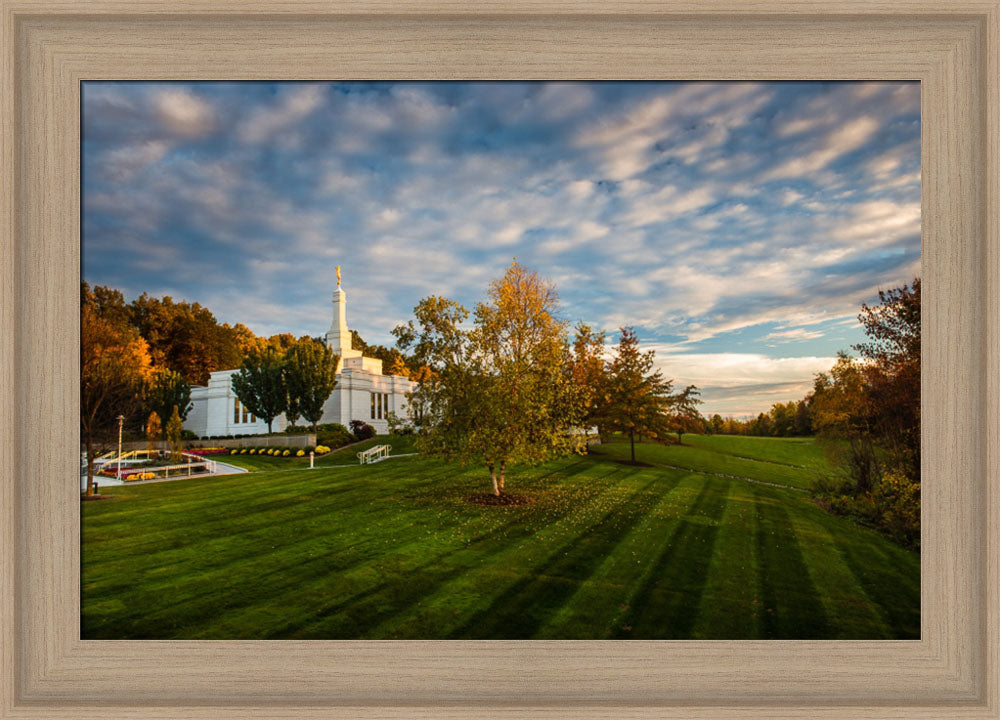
x: 638, y: 397
x: 260, y: 384
x: 497, y: 393
x: 684, y: 414
x: 154, y: 430
x: 174, y: 430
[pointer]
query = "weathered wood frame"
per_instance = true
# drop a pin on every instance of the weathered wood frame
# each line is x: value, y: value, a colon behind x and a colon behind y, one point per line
x: 952, y: 48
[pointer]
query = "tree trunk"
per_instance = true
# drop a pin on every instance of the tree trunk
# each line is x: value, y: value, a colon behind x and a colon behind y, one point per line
x: 679, y: 442
x: 503, y: 470
x: 493, y: 476
x: 631, y: 438
x: 269, y: 425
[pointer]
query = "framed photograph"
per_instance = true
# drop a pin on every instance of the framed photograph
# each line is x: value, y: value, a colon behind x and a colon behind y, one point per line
x: 911, y: 88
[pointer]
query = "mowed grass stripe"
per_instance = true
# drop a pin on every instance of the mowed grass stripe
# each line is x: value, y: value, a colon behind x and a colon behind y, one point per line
x: 625, y: 569
x: 666, y: 604
x: 791, y: 604
x: 525, y: 603
x: 851, y: 613
x: 731, y: 604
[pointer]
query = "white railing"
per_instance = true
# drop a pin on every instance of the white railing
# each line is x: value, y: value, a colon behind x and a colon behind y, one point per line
x: 194, y: 465
x: 374, y: 454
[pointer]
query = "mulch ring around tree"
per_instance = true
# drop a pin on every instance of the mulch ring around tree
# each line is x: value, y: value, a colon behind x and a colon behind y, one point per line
x: 504, y: 499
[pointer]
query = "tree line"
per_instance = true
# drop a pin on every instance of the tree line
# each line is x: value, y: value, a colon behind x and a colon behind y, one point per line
x: 867, y: 410
x: 139, y: 360
x: 514, y: 386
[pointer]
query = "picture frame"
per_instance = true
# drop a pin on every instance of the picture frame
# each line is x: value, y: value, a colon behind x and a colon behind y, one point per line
x: 50, y: 48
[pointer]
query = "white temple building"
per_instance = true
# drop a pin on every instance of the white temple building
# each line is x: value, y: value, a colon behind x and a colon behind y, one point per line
x: 362, y: 391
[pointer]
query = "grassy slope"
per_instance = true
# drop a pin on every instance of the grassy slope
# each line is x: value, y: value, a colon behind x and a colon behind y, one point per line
x: 393, y: 550
x: 400, y: 446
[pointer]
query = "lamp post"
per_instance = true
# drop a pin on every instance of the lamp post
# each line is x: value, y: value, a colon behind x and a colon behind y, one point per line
x: 118, y: 470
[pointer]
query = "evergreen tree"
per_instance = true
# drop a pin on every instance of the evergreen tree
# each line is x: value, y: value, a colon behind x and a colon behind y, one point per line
x: 638, y: 398
x: 153, y: 430
x: 684, y: 415
x: 174, y: 430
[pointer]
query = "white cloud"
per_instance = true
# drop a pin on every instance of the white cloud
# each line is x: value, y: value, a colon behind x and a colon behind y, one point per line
x: 796, y: 334
x: 843, y: 140
x: 268, y: 121
x: 184, y: 113
x: 124, y: 162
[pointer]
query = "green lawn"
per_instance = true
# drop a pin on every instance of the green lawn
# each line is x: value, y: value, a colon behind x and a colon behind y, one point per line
x: 393, y: 550
x: 401, y: 445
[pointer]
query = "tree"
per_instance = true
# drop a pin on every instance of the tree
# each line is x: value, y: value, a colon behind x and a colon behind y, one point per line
x: 185, y: 337
x: 586, y: 371
x: 114, y: 371
x: 174, y: 430
x: 684, y: 415
x: 718, y: 425
x: 260, y: 384
x: 839, y: 409
x: 497, y: 393
x: 892, y: 375
x: 638, y: 398
x: 153, y: 429
x: 310, y: 377
x: 167, y: 389
x: 802, y: 424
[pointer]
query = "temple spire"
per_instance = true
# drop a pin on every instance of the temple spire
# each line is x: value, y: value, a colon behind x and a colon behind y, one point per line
x: 339, y: 335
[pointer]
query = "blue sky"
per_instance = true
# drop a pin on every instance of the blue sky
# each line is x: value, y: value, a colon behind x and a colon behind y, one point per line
x: 737, y: 226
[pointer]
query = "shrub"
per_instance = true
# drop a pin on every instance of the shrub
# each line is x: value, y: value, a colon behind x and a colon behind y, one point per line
x: 334, y: 435
x: 892, y: 506
x: 362, y: 430
x: 321, y: 450
x: 188, y: 435
x: 253, y: 451
x: 286, y: 453
x: 300, y: 453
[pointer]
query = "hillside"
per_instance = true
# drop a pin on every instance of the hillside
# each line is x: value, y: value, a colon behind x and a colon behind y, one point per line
x: 607, y: 550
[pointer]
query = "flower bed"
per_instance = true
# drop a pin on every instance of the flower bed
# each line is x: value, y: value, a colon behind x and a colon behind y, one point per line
x: 111, y: 470
x: 208, y: 451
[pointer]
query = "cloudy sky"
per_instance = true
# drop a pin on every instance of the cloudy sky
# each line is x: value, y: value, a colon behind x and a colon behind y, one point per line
x: 737, y: 226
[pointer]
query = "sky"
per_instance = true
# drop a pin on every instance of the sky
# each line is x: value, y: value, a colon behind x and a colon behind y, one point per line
x: 737, y: 227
